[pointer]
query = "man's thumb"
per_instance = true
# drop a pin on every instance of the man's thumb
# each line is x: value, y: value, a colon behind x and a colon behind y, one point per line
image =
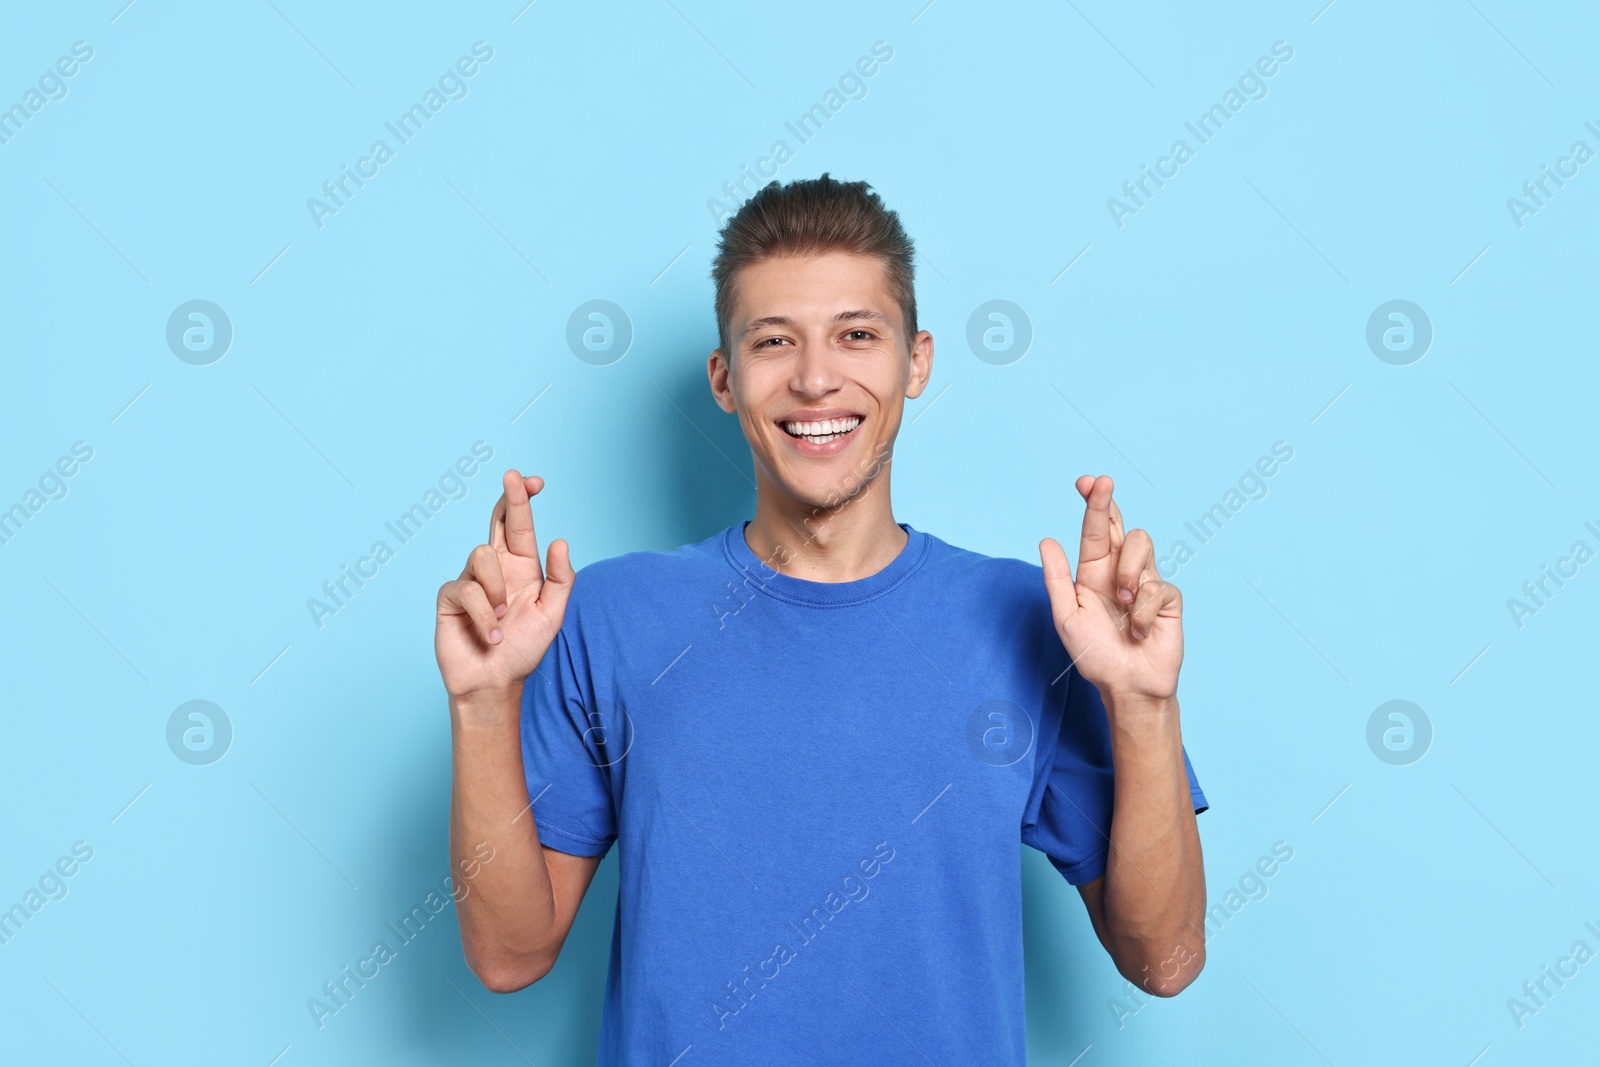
x: 1058, y: 575
x: 558, y: 576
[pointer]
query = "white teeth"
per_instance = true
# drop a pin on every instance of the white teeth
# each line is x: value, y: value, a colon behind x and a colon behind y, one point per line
x: 825, y: 429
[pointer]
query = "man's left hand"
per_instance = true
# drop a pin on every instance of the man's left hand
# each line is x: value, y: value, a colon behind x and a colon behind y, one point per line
x: 1120, y: 622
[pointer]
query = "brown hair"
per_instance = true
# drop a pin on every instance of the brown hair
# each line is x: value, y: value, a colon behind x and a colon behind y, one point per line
x: 809, y: 216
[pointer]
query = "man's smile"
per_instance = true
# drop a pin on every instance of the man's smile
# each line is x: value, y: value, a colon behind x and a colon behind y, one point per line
x: 821, y: 433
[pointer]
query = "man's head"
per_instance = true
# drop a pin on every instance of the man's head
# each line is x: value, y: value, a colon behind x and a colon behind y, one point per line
x: 816, y: 322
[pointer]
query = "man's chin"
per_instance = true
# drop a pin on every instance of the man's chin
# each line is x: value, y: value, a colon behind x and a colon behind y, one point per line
x: 816, y: 497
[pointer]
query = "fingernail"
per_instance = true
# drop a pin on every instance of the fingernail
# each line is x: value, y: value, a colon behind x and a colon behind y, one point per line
x: 500, y: 611
x: 1137, y: 632
x: 1125, y: 595
x: 495, y: 635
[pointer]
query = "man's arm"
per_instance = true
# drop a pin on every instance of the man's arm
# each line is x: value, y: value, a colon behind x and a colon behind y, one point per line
x: 1123, y: 627
x: 1148, y: 909
x: 520, y: 905
x: 495, y: 623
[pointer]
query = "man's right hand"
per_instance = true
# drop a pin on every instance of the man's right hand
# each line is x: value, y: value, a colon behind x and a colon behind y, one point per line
x: 496, y: 620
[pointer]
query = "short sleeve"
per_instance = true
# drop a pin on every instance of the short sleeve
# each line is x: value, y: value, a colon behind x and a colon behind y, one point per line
x: 1069, y: 809
x: 564, y: 754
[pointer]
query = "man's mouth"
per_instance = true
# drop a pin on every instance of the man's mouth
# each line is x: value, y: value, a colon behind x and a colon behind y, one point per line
x: 822, y: 431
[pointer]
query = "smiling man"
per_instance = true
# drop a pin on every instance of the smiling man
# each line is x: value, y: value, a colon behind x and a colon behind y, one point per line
x: 819, y: 738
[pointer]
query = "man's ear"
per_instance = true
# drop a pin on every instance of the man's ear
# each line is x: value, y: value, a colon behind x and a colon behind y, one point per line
x: 921, y: 364
x: 720, y: 375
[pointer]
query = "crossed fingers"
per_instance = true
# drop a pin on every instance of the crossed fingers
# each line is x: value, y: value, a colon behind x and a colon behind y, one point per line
x: 1117, y: 563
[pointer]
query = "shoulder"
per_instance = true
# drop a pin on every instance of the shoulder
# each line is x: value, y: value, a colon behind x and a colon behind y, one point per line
x: 952, y: 561
x: 998, y: 604
x: 997, y: 582
x: 632, y: 575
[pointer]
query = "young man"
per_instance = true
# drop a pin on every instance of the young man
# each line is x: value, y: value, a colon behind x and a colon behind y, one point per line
x: 818, y: 738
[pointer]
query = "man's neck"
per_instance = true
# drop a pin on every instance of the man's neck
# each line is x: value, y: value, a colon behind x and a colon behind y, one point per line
x: 854, y: 540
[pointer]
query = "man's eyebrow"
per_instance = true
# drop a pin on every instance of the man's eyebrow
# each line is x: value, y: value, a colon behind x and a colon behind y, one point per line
x: 843, y: 316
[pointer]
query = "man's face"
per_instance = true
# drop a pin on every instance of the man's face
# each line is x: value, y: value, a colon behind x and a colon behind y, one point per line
x: 819, y: 372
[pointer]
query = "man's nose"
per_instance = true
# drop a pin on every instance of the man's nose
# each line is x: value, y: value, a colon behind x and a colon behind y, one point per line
x: 816, y: 370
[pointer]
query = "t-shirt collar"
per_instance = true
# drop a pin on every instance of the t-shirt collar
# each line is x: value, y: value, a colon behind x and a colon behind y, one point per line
x: 759, y: 575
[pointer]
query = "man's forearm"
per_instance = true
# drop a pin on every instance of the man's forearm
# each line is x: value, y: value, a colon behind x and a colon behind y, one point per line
x: 507, y: 915
x: 1154, y: 890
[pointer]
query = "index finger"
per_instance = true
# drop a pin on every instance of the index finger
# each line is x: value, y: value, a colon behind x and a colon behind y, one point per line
x: 497, y: 516
x: 519, y: 515
x: 1118, y: 534
x: 1096, y: 543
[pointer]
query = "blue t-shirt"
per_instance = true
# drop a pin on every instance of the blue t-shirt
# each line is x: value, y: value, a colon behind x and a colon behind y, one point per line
x: 819, y: 793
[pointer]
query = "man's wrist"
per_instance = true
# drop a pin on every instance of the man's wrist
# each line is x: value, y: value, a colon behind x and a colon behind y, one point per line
x: 486, y: 709
x: 1135, y: 708
x: 1145, y: 732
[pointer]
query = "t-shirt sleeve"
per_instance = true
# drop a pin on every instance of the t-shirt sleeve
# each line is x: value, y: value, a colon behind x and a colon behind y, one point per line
x: 1069, y: 809
x: 564, y: 753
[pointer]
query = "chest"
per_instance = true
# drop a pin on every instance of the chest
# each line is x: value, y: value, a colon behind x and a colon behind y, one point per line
x: 779, y: 725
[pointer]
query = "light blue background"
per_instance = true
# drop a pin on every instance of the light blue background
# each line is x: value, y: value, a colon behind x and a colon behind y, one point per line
x: 371, y: 353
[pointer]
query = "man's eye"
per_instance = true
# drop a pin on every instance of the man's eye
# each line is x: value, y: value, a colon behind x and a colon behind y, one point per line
x: 866, y: 335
